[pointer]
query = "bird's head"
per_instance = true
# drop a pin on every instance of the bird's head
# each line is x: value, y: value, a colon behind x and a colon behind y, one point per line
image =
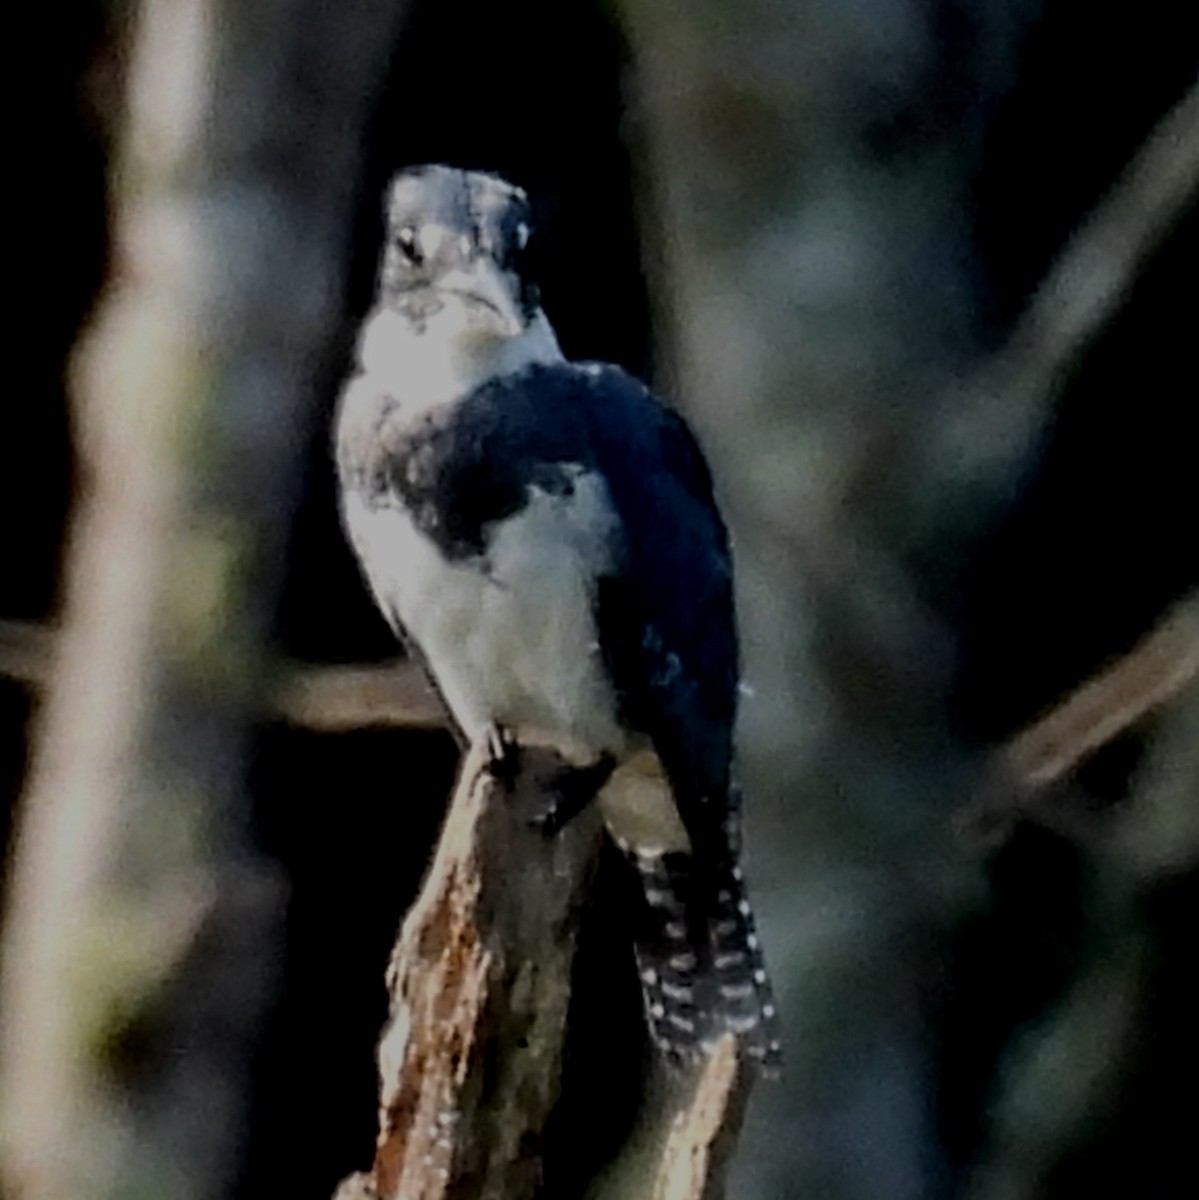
x: 454, y: 254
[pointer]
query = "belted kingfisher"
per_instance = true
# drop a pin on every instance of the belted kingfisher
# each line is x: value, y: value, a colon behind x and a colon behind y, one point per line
x: 543, y: 535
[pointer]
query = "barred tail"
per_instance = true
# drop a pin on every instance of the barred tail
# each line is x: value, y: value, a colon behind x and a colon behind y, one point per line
x: 700, y: 962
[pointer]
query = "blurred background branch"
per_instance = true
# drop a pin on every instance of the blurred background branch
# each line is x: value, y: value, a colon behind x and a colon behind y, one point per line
x: 398, y: 695
x: 988, y: 427
x: 1155, y: 673
x: 142, y: 925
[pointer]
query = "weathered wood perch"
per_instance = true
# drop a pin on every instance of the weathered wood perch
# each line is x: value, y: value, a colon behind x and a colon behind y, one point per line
x: 704, y: 1128
x: 470, y: 1059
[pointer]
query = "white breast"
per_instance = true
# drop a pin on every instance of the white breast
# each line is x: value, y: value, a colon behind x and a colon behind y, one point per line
x: 511, y: 638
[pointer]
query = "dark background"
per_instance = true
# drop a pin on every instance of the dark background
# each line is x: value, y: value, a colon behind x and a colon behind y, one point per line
x: 1088, y: 551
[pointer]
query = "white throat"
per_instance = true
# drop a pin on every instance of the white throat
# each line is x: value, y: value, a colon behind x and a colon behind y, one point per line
x: 449, y: 355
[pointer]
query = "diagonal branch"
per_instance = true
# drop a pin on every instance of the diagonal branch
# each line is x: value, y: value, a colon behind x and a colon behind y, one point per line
x: 988, y: 428
x: 1151, y: 676
x: 703, y: 1132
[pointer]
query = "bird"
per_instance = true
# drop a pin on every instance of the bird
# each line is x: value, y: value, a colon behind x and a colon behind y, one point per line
x: 542, y: 535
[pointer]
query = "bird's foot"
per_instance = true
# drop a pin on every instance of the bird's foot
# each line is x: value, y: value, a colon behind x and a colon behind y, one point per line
x: 572, y: 789
x: 503, y: 755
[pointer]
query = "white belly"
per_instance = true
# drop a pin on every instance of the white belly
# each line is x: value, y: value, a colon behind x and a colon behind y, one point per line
x: 511, y: 639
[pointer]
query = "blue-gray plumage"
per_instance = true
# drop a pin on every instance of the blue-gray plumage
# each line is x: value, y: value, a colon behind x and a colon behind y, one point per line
x: 544, y: 534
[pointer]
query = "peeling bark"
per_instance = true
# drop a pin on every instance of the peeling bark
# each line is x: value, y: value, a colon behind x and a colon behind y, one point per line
x: 470, y: 1060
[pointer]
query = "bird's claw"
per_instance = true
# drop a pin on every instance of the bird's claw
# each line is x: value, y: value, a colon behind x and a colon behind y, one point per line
x: 572, y: 789
x: 503, y: 755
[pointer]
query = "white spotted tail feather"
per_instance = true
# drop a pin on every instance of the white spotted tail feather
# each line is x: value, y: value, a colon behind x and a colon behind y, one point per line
x: 700, y: 962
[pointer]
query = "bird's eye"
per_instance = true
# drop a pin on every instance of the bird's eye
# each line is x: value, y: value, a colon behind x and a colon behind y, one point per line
x: 406, y: 240
x: 515, y: 245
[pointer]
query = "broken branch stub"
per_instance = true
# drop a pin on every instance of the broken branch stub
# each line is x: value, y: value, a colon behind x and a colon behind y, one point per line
x: 470, y: 1060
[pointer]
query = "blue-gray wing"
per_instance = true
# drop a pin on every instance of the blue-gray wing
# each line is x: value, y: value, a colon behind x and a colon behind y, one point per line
x: 667, y: 621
